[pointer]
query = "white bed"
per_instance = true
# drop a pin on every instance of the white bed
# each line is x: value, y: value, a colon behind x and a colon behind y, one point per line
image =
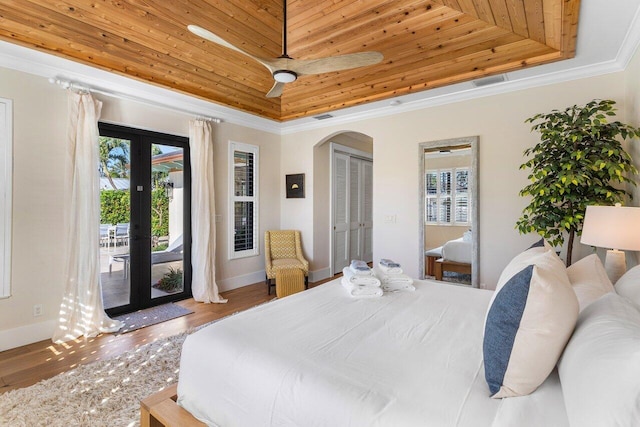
x: 458, y: 250
x: 322, y: 358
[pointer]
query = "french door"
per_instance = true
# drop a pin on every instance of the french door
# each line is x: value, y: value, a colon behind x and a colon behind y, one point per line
x: 145, y: 212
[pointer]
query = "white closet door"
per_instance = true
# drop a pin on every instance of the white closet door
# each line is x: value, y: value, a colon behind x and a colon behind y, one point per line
x: 367, y: 210
x: 355, y: 209
x: 340, y: 212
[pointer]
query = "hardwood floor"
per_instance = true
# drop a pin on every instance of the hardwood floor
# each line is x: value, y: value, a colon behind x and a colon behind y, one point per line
x: 24, y: 366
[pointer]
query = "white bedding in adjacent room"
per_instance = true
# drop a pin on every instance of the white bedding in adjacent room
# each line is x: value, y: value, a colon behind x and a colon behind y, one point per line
x: 323, y: 358
x: 458, y: 250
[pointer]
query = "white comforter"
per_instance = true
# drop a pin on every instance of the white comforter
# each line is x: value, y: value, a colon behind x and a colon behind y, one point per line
x: 458, y: 250
x: 322, y: 358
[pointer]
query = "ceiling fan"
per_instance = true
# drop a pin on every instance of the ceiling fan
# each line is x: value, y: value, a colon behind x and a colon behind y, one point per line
x: 285, y: 69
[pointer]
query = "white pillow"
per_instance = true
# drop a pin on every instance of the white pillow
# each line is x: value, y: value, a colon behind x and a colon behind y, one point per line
x: 589, y: 280
x: 600, y: 368
x: 629, y: 285
x: 521, y: 260
x: 529, y: 321
x: 516, y: 264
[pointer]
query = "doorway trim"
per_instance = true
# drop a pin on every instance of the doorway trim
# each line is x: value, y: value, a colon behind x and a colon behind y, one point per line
x: 334, y: 148
x: 142, y: 140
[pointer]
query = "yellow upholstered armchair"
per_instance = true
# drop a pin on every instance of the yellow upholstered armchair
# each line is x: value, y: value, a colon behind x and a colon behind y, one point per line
x: 283, y: 249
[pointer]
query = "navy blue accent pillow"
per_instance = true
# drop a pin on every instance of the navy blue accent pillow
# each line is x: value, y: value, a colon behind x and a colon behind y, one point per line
x: 503, y: 321
x: 538, y: 244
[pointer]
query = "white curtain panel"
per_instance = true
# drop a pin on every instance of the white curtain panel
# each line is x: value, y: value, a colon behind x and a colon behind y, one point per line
x: 203, y: 212
x: 82, y: 310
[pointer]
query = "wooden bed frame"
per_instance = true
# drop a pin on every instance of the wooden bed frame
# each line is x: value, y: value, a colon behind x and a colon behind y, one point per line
x: 441, y: 265
x: 161, y: 410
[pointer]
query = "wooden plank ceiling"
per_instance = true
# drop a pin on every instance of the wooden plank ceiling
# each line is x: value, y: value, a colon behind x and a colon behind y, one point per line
x: 425, y: 43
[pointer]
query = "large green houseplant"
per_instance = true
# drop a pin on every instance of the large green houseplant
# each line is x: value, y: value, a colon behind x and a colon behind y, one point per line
x: 578, y: 162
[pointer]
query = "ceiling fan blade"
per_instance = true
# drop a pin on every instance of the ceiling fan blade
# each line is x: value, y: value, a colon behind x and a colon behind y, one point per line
x: 208, y: 35
x: 334, y: 63
x: 276, y: 90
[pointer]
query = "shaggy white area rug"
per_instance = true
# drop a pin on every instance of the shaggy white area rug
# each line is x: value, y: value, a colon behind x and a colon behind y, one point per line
x: 103, y: 393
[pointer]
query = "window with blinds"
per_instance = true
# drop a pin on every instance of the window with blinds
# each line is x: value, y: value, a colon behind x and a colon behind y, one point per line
x: 447, y: 199
x: 243, y: 167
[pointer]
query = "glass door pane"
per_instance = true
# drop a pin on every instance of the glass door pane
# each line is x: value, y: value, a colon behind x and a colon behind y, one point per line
x: 167, y: 220
x: 115, y: 215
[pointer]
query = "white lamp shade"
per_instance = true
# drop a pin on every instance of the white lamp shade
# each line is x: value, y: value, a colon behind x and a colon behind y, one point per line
x: 612, y: 227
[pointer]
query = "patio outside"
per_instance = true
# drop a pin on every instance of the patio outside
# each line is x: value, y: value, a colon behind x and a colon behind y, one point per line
x: 115, y: 285
x: 166, y: 222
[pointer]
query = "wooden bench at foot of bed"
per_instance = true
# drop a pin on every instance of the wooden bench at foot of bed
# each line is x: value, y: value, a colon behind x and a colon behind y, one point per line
x: 161, y: 410
x: 442, y: 265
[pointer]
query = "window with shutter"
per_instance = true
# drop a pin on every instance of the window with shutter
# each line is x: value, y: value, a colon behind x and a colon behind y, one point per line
x: 447, y: 199
x: 243, y: 167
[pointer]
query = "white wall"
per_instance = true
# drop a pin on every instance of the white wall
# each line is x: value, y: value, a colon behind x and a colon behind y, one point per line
x: 632, y: 117
x: 38, y: 258
x: 498, y: 121
x: 39, y: 120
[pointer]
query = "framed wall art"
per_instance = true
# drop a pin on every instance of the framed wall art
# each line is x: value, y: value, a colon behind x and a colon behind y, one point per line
x: 295, y: 186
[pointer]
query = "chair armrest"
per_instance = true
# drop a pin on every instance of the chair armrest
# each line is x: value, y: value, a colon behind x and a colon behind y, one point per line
x: 299, y: 254
x: 267, y: 256
x: 303, y: 261
x: 267, y: 251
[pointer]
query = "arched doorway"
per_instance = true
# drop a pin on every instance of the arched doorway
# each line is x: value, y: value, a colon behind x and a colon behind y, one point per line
x: 343, y: 180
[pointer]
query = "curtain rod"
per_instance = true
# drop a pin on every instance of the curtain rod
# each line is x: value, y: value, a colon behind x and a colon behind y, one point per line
x: 66, y: 84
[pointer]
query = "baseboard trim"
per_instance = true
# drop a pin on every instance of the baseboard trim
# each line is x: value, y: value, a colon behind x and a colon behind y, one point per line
x: 317, y: 275
x: 240, y: 281
x: 259, y: 276
x: 23, y: 335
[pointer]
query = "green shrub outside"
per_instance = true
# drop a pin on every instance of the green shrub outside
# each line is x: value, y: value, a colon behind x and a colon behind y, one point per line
x: 115, y: 208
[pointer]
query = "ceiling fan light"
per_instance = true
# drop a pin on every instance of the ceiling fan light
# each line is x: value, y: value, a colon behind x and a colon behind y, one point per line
x: 284, y: 76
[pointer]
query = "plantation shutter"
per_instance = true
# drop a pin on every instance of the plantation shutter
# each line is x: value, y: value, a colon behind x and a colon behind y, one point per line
x: 447, y: 198
x: 340, y: 220
x: 462, y: 196
x: 243, y: 174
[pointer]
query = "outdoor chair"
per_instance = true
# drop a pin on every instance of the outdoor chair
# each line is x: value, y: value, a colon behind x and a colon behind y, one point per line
x: 104, y: 234
x: 122, y: 234
x: 174, y: 252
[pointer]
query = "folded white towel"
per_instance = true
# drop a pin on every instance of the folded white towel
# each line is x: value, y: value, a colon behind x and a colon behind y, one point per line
x: 398, y: 286
x: 358, y: 266
x: 360, y: 278
x: 390, y: 270
x: 397, y: 278
x: 394, y: 282
x: 389, y: 262
x: 361, y: 291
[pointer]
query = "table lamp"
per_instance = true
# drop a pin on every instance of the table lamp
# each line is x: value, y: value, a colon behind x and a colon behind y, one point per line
x: 615, y: 228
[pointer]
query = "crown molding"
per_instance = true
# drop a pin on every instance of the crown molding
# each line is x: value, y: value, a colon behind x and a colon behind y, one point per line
x: 49, y: 66
x: 461, y: 92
